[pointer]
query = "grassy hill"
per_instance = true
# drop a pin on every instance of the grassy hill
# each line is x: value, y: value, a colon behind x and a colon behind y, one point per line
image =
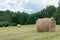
x: 28, y: 32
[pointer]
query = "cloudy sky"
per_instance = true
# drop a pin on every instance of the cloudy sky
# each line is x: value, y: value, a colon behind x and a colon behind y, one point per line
x: 28, y: 6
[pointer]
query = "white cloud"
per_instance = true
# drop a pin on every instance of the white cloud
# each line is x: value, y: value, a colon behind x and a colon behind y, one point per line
x: 28, y: 10
x: 50, y: 2
x: 26, y: 5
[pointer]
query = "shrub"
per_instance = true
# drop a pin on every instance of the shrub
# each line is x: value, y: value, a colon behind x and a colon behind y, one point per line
x: 4, y: 23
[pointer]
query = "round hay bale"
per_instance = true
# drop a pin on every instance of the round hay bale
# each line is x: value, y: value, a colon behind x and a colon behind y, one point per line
x: 18, y: 25
x: 46, y: 25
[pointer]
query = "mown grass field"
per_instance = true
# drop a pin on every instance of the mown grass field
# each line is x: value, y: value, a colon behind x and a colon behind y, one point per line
x: 27, y: 32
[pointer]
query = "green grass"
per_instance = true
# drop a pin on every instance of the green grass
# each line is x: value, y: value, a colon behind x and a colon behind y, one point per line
x: 27, y: 32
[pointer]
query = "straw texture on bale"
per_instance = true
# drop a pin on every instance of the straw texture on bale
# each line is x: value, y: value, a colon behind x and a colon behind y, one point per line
x: 46, y: 25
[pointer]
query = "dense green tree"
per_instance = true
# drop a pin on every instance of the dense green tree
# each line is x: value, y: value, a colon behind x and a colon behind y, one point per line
x: 13, y: 18
x: 57, y: 15
x: 47, y: 12
x: 50, y: 10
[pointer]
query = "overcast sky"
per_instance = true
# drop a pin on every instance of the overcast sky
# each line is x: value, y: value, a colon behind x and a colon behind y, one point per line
x: 28, y: 6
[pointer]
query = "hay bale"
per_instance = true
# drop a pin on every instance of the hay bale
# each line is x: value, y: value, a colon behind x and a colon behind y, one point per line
x: 46, y: 25
x: 18, y: 25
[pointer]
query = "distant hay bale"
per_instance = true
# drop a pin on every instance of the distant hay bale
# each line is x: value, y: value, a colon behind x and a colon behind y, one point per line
x: 46, y: 25
x: 18, y: 25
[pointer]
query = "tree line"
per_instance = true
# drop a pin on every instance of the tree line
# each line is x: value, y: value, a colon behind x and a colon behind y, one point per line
x: 13, y: 18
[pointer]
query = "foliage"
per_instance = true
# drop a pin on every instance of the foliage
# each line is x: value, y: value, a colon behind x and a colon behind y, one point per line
x: 57, y: 15
x: 4, y: 23
x: 23, y: 18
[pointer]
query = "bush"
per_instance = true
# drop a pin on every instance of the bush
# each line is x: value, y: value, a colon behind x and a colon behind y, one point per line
x: 4, y: 23
x: 13, y: 24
